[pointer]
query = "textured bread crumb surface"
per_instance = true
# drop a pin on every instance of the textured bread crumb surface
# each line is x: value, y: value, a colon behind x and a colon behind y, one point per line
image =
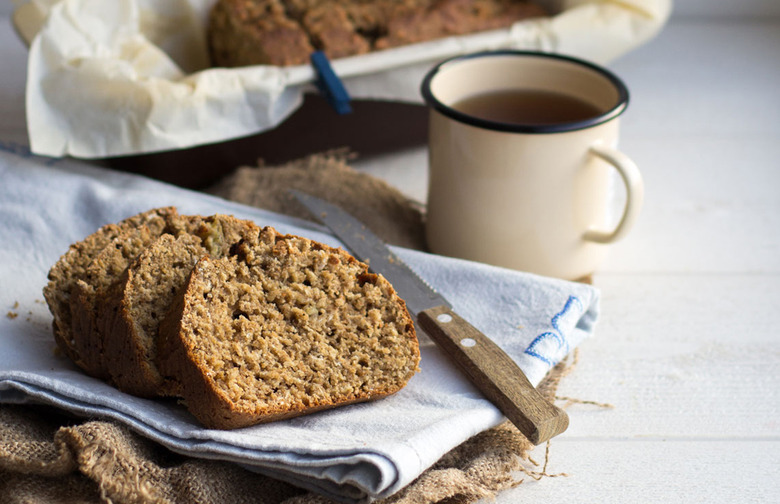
x: 288, y: 325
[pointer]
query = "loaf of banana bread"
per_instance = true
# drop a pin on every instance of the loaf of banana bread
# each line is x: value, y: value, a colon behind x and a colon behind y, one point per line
x: 286, y: 32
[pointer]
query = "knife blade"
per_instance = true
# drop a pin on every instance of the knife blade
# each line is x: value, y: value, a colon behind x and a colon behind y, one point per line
x: 486, y: 365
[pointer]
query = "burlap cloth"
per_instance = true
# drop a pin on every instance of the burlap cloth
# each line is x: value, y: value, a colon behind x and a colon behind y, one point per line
x: 47, y: 456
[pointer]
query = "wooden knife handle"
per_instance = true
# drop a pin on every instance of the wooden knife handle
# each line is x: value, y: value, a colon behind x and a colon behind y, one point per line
x: 495, y: 374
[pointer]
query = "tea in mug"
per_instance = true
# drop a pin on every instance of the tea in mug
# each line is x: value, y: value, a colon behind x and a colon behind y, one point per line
x: 528, y: 107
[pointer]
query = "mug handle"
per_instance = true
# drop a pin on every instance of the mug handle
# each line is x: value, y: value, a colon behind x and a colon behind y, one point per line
x: 634, y: 194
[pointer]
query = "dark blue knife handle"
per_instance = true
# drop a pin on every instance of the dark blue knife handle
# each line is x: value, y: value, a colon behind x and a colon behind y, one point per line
x: 495, y: 374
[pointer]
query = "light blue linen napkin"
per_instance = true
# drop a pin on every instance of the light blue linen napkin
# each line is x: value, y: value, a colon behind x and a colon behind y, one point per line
x: 354, y: 453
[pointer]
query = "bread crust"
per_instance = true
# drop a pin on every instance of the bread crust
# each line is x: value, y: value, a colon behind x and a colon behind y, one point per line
x: 104, y: 271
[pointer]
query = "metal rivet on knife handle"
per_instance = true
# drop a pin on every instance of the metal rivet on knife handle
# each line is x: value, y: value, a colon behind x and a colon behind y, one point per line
x: 495, y: 374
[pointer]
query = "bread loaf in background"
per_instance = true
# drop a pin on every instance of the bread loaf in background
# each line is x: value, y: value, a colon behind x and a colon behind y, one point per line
x: 286, y: 32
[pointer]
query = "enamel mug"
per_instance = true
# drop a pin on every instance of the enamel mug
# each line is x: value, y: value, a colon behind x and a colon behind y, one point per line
x: 531, y: 197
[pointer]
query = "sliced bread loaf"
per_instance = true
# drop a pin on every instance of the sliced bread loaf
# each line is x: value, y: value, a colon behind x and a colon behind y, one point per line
x: 284, y: 327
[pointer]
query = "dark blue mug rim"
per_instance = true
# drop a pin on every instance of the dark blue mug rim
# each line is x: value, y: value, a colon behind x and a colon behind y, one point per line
x: 436, y: 104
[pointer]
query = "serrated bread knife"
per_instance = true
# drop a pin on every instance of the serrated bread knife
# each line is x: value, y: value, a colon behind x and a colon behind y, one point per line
x: 488, y: 367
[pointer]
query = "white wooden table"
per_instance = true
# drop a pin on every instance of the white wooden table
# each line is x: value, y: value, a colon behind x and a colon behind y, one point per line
x: 688, y: 347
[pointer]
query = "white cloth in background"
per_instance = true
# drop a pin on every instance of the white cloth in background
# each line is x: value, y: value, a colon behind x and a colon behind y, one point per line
x: 132, y: 76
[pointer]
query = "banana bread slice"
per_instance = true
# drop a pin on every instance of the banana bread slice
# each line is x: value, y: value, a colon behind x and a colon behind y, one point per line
x: 285, y: 327
x: 132, y: 311
x: 129, y: 317
x: 88, y: 294
x: 72, y: 267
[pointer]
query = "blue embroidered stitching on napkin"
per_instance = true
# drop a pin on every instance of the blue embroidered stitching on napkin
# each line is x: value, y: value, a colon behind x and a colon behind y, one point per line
x: 550, y: 346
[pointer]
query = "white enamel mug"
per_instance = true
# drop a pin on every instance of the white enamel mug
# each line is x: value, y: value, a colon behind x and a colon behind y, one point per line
x: 534, y: 198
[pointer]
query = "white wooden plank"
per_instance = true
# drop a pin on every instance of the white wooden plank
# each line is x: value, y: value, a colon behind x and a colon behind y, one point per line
x: 654, y: 471
x: 677, y: 355
x: 711, y: 206
x: 703, y: 127
x: 707, y: 9
x: 701, y: 78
